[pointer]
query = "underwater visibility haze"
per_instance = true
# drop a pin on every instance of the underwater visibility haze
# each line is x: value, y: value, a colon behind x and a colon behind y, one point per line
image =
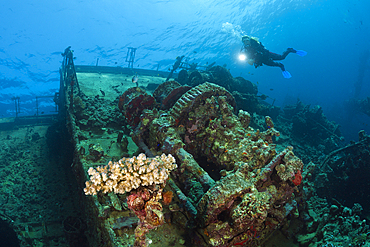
x: 334, y: 33
x: 322, y: 110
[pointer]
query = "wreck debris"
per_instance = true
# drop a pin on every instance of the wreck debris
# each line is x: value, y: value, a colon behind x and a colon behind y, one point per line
x: 236, y: 206
x: 144, y: 179
x: 133, y: 102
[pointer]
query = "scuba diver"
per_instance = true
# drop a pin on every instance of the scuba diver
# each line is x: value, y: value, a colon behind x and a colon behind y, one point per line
x: 175, y: 66
x: 257, y: 54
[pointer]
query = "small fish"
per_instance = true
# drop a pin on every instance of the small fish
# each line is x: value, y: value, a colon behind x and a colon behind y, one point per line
x: 271, y: 89
x: 135, y: 79
x: 102, y: 92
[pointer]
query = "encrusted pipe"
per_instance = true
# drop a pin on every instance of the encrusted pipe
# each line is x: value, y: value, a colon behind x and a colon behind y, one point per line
x: 189, y: 207
x: 267, y: 170
x: 187, y: 161
x: 145, y: 148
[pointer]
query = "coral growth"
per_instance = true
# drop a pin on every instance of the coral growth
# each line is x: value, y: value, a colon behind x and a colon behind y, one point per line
x: 332, y: 224
x: 298, y: 178
x: 144, y: 178
x: 133, y: 102
x: 238, y: 180
x: 255, y: 184
x: 167, y: 197
x: 129, y: 173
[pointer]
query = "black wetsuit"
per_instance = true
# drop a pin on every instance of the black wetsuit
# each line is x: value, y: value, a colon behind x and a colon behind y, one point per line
x: 261, y: 55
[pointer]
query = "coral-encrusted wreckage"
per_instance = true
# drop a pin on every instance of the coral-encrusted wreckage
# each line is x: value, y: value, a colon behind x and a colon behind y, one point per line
x: 234, y: 187
x: 233, y: 183
x: 200, y: 162
x: 146, y: 176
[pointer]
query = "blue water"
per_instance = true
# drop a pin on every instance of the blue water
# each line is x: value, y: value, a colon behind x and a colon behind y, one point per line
x: 334, y: 33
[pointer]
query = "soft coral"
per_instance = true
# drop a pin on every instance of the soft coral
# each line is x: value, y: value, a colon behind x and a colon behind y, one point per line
x: 298, y: 178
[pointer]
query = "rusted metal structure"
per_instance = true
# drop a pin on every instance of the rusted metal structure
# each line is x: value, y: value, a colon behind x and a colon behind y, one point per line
x: 232, y: 185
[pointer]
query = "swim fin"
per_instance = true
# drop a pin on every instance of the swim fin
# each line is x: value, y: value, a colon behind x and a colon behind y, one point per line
x: 286, y: 74
x: 301, y: 53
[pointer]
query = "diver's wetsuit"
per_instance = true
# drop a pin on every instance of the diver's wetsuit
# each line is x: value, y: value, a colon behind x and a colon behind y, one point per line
x: 260, y: 55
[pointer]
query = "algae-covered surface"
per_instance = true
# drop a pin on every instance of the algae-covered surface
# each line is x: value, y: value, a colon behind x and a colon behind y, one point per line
x: 36, y: 186
x: 97, y: 125
x: 44, y: 170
